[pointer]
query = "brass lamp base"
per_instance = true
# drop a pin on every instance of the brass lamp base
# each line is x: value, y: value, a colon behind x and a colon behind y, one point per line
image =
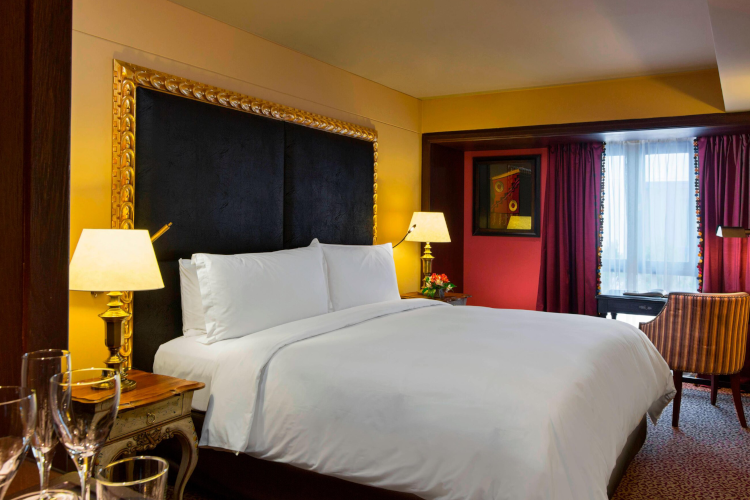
x: 127, y: 384
x: 114, y: 336
x: 427, y: 259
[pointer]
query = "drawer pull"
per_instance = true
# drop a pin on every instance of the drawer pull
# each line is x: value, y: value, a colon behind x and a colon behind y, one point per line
x: 645, y: 308
x: 150, y: 418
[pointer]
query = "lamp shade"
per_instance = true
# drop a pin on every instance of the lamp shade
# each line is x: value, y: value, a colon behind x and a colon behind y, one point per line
x: 430, y: 227
x: 114, y: 260
x: 731, y: 232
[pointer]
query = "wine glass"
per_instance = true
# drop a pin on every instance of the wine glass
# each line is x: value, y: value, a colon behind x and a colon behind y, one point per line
x: 36, y: 370
x: 131, y: 478
x: 84, y: 408
x: 17, y: 419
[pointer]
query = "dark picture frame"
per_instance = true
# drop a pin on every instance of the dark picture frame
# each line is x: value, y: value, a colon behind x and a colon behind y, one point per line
x: 506, y: 196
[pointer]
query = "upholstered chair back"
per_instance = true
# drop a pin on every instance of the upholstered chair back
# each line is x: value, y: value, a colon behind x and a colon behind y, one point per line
x: 702, y: 332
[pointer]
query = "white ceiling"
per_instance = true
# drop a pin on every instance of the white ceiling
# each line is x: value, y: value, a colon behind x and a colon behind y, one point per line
x: 730, y: 20
x: 430, y: 48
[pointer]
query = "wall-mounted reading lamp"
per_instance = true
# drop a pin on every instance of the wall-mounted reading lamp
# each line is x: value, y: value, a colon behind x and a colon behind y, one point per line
x: 413, y: 226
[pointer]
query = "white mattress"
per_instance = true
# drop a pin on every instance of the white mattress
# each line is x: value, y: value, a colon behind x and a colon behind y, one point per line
x: 185, y: 358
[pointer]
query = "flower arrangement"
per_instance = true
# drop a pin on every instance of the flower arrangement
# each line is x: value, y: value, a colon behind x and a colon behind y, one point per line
x: 436, y: 284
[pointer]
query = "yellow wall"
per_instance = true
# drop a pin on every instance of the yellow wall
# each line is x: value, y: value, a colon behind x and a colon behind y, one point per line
x: 161, y: 35
x: 676, y: 94
x: 165, y: 36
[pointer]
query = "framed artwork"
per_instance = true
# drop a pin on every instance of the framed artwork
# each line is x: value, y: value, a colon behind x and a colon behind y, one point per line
x: 507, y: 196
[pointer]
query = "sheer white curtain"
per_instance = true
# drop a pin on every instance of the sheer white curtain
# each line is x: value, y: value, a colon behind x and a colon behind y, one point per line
x: 650, y: 235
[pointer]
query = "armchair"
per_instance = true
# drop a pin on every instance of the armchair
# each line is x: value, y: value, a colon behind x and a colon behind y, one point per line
x: 703, y: 333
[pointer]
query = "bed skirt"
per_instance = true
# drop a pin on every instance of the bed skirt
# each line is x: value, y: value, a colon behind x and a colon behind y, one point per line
x: 224, y: 475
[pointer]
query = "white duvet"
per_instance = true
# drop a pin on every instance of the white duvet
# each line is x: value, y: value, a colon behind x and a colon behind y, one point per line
x: 440, y: 401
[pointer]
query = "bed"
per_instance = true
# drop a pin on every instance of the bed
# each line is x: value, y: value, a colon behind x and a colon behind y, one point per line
x: 396, y: 399
x: 435, y: 400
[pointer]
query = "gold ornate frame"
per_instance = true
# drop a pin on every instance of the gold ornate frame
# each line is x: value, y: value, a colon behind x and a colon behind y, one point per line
x: 128, y: 77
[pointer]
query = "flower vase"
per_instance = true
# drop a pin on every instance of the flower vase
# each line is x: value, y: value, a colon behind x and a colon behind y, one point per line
x: 440, y: 294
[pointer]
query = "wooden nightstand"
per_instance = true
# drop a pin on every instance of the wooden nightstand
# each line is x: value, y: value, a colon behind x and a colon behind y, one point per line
x: 157, y: 409
x: 452, y: 298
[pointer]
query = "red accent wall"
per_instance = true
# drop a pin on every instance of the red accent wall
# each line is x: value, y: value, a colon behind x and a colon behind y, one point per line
x: 500, y: 271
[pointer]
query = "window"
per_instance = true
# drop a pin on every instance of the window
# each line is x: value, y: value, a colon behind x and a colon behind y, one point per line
x: 650, y: 238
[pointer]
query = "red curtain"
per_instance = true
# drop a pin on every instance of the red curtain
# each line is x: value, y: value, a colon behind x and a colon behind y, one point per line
x: 570, y: 226
x: 725, y: 201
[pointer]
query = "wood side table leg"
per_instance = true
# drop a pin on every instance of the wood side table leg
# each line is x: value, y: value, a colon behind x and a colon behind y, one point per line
x: 184, y: 430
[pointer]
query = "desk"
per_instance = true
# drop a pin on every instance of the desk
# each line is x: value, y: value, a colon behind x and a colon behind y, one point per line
x: 614, y: 302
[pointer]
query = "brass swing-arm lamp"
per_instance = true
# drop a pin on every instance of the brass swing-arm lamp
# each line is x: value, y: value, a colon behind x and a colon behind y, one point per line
x: 116, y: 260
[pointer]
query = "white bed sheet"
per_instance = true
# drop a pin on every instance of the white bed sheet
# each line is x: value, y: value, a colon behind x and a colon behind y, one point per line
x: 185, y: 358
x: 444, y: 402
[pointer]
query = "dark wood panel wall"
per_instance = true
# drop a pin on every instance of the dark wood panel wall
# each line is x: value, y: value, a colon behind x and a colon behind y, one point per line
x: 447, y: 196
x: 35, y: 64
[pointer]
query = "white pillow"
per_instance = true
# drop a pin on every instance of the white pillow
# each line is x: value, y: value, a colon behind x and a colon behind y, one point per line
x: 360, y: 274
x: 244, y: 294
x: 193, y: 319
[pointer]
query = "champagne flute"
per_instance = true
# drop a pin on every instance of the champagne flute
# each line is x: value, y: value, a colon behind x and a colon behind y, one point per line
x: 17, y: 419
x: 36, y: 370
x: 143, y: 478
x: 84, y: 408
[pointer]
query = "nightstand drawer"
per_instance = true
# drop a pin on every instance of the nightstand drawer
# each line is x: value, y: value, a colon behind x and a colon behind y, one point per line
x: 138, y: 419
x: 452, y: 298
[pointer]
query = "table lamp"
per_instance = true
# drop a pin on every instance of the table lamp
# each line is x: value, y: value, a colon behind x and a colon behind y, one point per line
x: 115, y: 260
x: 428, y: 227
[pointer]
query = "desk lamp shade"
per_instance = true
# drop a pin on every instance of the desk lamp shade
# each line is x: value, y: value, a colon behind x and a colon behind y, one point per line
x: 428, y: 227
x: 113, y: 261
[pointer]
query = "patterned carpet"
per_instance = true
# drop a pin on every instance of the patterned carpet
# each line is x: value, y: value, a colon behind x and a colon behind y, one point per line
x: 707, y: 458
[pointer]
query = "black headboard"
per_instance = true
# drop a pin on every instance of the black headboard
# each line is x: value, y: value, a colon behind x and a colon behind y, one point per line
x: 233, y: 182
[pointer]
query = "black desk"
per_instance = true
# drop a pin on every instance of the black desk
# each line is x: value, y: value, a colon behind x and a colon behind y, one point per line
x: 614, y: 302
